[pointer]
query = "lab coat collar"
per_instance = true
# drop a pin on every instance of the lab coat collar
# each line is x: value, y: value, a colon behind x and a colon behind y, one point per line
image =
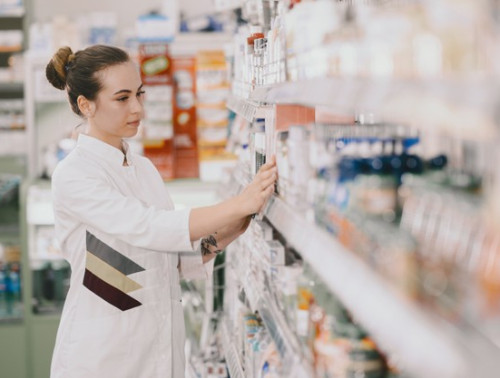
x: 103, y: 150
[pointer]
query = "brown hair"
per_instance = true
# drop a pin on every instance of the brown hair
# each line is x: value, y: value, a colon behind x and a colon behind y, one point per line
x: 77, y: 72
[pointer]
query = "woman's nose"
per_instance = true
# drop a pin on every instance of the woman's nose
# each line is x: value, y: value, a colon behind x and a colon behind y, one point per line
x: 137, y: 105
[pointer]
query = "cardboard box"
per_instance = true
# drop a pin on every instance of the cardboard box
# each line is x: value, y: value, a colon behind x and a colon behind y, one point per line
x: 155, y: 64
x: 184, y: 118
x: 161, y: 154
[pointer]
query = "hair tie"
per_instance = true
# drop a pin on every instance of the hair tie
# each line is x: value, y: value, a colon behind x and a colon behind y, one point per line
x: 66, y: 67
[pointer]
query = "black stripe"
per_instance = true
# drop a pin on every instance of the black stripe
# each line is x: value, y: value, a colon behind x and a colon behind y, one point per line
x: 109, y: 293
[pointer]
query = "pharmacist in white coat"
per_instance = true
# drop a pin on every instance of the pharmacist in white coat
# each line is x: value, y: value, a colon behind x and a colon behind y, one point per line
x: 118, y: 229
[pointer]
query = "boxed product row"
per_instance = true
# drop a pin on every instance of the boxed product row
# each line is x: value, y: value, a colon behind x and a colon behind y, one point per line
x: 11, y: 306
x: 426, y: 39
x: 11, y: 40
x: 298, y: 322
x: 332, y: 38
x: 12, y: 114
x: 415, y: 210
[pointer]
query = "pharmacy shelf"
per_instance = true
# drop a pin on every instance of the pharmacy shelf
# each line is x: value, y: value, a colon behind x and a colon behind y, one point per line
x: 285, y: 340
x: 10, y: 49
x: 11, y: 89
x: 9, y: 186
x: 374, y: 91
x: 230, y: 352
x: 260, y: 300
x: 247, y: 108
x: 191, y: 371
x: 463, y: 107
x: 11, y: 11
x: 225, y: 5
x: 425, y: 345
x: 46, y: 257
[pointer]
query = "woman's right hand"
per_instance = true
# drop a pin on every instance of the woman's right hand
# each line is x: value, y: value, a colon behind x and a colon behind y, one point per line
x: 253, y: 198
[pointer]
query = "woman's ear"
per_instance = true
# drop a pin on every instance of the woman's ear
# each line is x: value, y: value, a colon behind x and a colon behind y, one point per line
x: 87, y: 107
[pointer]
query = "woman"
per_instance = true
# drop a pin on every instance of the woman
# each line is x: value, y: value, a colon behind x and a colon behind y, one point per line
x: 118, y: 230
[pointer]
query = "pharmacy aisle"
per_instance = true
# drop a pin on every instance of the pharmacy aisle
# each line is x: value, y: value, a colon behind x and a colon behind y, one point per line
x: 377, y: 255
x: 183, y: 134
x: 12, y: 169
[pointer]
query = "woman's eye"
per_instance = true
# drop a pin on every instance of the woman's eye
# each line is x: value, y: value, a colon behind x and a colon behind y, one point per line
x: 140, y: 93
x: 122, y: 99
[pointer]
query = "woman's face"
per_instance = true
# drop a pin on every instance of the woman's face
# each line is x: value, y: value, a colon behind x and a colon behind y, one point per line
x: 119, y: 105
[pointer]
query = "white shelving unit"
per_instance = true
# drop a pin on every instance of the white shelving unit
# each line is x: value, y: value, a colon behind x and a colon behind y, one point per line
x: 233, y: 361
x: 246, y: 108
x: 466, y: 107
x: 372, y: 301
x: 12, y: 11
x: 284, y: 338
x: 48, y: 115
x: 425, y: 346
x: 40, y: 226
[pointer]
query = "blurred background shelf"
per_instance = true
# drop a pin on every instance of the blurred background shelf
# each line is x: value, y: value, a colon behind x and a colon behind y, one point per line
x: 11, y: 89
x: 246, y: 108
x: 436, y: 347
x: 232, y: 359
x: 10, y: 11
x: 462, y: 107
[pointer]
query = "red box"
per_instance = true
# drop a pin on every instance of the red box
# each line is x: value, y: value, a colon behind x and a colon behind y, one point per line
x: 184, y: 118
x: 161, y: 154
x: 155, y: 64
x: 287, y: 115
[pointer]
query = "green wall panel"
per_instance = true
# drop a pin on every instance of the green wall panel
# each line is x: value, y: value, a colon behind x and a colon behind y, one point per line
x: 13, y: 351
x: 42, y: 339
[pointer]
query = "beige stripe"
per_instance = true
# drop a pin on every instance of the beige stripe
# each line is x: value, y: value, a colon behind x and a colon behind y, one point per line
x: 110, y: 275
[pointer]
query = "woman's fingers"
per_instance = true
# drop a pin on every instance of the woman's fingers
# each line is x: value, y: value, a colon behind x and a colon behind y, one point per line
x: 266, y: 195
x: 268, y: 181
x: 262, y: 186
x: 270, y: 164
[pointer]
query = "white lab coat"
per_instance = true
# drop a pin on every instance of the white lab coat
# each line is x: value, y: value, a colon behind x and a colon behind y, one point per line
x: 117, y: 228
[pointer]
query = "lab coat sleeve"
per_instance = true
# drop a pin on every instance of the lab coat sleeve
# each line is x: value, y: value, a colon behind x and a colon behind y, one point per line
x: 191, y: 266
x: 94, y: 201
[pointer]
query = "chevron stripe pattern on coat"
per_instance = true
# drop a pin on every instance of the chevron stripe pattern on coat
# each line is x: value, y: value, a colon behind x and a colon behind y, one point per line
x: 106, y: 274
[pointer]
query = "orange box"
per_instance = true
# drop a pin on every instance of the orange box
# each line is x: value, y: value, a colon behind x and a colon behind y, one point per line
x: 184, y: 118
x: 287, y: 115
x: 161, y: 154
x: 155, y: 64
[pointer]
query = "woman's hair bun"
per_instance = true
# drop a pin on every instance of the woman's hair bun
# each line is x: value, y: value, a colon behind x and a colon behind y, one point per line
x: 57, y: 69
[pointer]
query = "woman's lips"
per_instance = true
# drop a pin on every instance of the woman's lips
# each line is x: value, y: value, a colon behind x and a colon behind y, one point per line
x: 134, y: 123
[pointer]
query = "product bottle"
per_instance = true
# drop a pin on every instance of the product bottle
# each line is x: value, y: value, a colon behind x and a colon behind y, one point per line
x: 250, y: 51
x: 49, y: 283
x: 3, y: 289
x: 260, y: 150
x: 9, y: 296
x: 60, y: 273
x: 14, y: 289
x: 298, y: 164
x: 258, y: 126
x: 281, y: 152
x: 305, y: 299
x: 365, y: 361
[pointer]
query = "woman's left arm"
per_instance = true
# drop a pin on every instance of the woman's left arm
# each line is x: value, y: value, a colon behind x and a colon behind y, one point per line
x: 193, y: 267
x: 213, y: 244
